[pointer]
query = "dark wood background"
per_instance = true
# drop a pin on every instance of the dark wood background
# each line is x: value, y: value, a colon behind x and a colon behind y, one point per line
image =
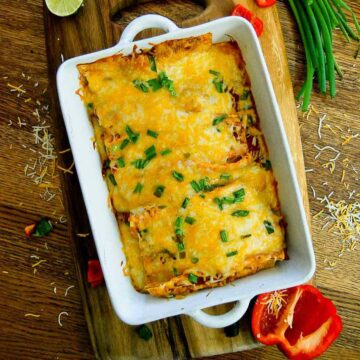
x: 43, y: 293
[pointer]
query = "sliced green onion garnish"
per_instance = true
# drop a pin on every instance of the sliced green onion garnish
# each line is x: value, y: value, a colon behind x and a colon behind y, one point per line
x: 214, y: 72
x: 165, y: 152
x: 240, y: 213
x: 132, y: 136
x: 225, y: 177
x: 152, y: 133
x: 190, y: 220
x: 167, y: 83
x: 267, y: 165
x: 219, y: 119
x: 219, y: 85
x: 112, y: 179
x: 175, y: 271
x: 193, y: 278
x: 138, y: 188
x: 178, y: 176
x: 185, y: 203
x: 245, y: 236
x: 202, y: 196
x: 150, y: 152
x: 144, y: 332
x: 178, y: 221
x: 244, y: 95
x: 121, y: 162
x: 219, y: 203
x: 194, y: 260
x: 90, y: 106
x: 124, y: 143
x: 155, y: 84
x: 239, y: 195
x: 269, y: 227
x: 152, y: 62
x: 181, y: 246
x: 224, y: 236
x: 42, y: 228
x: 195, y: 186
x: 141, y: 85
x: 232, y: 253
x: 159, y: 190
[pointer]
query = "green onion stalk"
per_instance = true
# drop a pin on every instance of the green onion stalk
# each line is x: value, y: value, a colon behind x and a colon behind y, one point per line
x: 316, y: 21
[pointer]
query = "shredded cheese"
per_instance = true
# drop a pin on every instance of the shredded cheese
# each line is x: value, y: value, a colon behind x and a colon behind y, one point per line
x: 275, y: 302
x: 59, y: 317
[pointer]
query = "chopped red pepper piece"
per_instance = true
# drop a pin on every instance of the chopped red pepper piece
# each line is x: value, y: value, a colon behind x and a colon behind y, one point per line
x: 245, y: 13
x: 95, y: 275
x: 300, y: 320
x: 265, y: 3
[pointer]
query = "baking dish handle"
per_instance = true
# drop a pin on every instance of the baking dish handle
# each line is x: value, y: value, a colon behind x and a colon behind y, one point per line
x: 146, y: 22
x: 221, y: 321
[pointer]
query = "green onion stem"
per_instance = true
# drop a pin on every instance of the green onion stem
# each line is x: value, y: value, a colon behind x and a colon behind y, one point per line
x: 328, y: 49
x: 319, y: 45
x: 331, y: 12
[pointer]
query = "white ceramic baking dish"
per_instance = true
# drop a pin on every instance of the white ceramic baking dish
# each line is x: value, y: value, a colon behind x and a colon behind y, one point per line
x: 135, y: 308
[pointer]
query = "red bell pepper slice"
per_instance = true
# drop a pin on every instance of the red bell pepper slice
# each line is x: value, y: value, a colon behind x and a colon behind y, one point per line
x: 265, y: 3
x: 300, y: 320
x: 95, y: 275
x: 245, y: 13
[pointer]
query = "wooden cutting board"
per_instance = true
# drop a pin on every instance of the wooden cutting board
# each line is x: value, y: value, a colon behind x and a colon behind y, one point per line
x: 96, y: 26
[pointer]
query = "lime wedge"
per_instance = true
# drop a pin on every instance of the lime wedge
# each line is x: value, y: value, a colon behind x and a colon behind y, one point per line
x: 63, y: 7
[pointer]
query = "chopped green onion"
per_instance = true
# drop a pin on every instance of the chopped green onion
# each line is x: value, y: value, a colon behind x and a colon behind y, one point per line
x: 175, y: 271
x: 214, y: 72
x: 240, y: 213
x: 141, y: 85
x: 185, y: 203
x: 167, y: 83
x: 181, y: 246
x: 139, y: 163
x: 112, y: 179
x: 124, y: 144
x: 269, y: 227
x: 178, y: 176
x: 150, y: 152
x: 121, y: 162
x: 152, y: 62
x: 248, y: 107
x: 219, y: 119
x: 232, y: 253
x: 194, y: 260
x: 244, y: 95
x: 193, y: 278
x: 144, y: 332
x: 224, y: 236
x: 225, y: 177
x: 132, y: 136
x: 245, y: 236
x: 219, y: 85
x: 195, y: 186
x: 202, y: 196
x: 190, y: 220
x: 165, y: 152
x: 267, y: 165
x: 219, y: 203
x: 90, y: 106
x: 42, y: 228
x: 178, y: 221
x: 159, y: 190
x: 152, y: 133
x: 138, y: 188
x: 239, y: 195
x: 155, y: 84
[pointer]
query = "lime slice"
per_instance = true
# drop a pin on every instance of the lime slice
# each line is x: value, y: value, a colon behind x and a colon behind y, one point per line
x: 63, y: 7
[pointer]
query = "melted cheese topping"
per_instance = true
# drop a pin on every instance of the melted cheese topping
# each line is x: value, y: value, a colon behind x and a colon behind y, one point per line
x: 201, y: 130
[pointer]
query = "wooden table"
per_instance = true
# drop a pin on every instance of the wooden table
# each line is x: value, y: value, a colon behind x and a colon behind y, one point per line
x: 32, y: 291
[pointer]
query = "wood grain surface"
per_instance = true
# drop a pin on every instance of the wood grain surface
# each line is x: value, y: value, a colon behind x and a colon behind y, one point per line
x: 43, y: 293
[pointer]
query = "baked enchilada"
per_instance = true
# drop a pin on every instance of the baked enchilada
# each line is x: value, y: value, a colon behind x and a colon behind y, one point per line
x: 186, y: 164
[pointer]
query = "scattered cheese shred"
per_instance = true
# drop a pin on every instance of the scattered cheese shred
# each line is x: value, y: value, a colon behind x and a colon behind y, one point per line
x: 275, y: 302
x: 38, y: 263
x: 59, y: 317
x: 32, y: 315
x: 69, y: 288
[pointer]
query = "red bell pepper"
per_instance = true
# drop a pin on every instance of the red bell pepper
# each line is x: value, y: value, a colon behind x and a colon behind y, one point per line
x: 265, y: 3
x: 94, y: 273
x: 300, y: 320
x: 245, y: 13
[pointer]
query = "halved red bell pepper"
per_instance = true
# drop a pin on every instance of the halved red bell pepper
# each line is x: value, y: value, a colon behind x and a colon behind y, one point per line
x: 300, y: 320
x: 94, y: 273
x: 245, y: 13
x: 265, y: 3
